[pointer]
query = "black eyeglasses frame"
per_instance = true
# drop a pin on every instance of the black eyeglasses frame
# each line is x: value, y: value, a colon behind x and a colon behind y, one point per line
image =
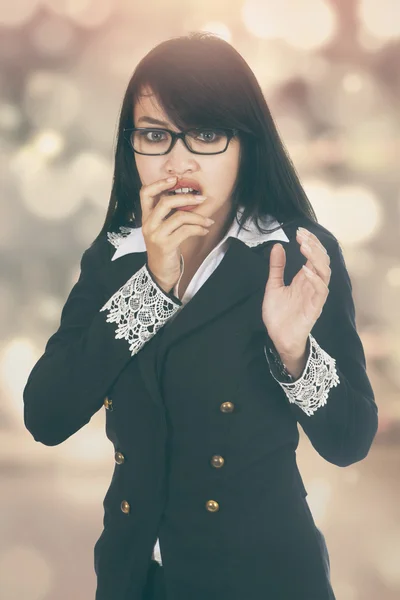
x: 181, y: 135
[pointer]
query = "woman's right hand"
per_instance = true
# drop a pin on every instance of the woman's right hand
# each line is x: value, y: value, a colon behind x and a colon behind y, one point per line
x: 163, y: 235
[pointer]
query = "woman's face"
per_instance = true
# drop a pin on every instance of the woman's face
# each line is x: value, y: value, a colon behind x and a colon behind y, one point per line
x: 216, y: 174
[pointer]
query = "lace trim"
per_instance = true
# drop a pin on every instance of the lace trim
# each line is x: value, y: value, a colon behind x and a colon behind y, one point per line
x: 140, y: 308
x: 311, y: 391
x: 116, y: 238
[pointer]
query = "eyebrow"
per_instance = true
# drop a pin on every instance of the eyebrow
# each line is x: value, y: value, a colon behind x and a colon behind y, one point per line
x: 153, y: 121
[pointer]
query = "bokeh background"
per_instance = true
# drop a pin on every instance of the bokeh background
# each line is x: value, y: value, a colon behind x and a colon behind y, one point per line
x: 330, y: 71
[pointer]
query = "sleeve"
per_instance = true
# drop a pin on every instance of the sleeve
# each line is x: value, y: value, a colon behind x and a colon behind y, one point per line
x: 94, y: 341
x: 332, y: 399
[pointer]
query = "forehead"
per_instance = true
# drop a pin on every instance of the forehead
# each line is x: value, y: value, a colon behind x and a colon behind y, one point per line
x: 147, y: 105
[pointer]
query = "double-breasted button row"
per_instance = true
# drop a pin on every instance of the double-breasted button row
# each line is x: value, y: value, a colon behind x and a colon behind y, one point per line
x: 108, y: 403
x: 218, y: 461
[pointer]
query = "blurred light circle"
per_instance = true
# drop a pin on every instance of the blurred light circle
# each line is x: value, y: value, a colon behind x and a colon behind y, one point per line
x: 219, y: 29
x: 382, y: 18
x: 51, y: 100
x: 10, y: 116
x: 352, y: 212
x: 48, y: 308
x: 25, y: 161
x: 358, y: 96
x: 36, y: 574
x: 53, y: 35
x: 359, y: 214
x: 369, y: 42
x: 311, y: 23
x: 352, y: 82
x: 49, y: 193
x: 48, y: 143
x: 14, y: 14
x: 370, y: 144
x: 94, y: 174
x: 87, y: 13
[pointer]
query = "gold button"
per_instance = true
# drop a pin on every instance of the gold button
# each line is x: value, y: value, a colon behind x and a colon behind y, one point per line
x: 125, y: 507
x: 217, y: 461
x: 212, y: 506
x: 119, y: 458
x: 227, y: 407
x: 108, y: 404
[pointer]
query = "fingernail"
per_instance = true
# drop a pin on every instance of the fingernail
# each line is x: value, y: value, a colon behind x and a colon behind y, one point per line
x: 303, y: 231
x: 171, y: 179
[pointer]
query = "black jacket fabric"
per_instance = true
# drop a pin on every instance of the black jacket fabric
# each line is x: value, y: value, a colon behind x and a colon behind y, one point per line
x: 164, y: 416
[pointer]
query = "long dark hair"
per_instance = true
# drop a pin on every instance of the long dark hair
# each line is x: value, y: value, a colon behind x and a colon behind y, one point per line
x: 201, y: 80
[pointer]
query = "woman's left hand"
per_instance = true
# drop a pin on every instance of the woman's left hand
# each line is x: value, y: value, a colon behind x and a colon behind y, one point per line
x: 290, y: 312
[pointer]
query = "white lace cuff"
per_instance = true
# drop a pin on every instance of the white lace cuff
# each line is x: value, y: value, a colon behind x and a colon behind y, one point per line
x: 311, y: 390
x: 140, y: 308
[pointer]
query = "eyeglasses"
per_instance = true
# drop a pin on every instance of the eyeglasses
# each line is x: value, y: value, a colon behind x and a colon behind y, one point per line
x: 155, y: 142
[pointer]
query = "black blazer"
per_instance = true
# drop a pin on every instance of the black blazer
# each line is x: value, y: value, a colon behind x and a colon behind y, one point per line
x: 199, y: 388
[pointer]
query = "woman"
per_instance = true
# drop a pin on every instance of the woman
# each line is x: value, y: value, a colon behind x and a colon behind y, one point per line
x: 207, y: 344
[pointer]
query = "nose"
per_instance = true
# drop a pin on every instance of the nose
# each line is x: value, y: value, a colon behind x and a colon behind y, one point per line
x: 180, y: 159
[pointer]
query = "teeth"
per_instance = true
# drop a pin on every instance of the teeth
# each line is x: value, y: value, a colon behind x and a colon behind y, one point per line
x: 183, y: 190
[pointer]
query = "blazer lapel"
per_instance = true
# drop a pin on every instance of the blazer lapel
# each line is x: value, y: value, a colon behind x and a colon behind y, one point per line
x: 242, y: 271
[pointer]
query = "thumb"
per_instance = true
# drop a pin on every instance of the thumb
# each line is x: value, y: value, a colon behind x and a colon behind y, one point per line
x: 277, y: 262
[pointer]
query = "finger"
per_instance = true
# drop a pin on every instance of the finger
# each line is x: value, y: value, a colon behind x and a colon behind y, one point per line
x: 312, y: 238
x: 149, y: 192
x: 321, y: 289
x: 317, y: 259
x: 277, y: 262
x: 170, y: 204
x: 305, y: 240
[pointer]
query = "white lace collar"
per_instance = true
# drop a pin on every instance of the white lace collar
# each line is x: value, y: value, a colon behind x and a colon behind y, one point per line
x: 131, y: 239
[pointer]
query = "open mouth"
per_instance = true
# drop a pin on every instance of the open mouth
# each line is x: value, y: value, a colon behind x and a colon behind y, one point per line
x: 183, y: 191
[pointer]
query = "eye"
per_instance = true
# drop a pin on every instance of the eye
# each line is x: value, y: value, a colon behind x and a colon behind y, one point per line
x: 153, y: 135
x: 209, y: 135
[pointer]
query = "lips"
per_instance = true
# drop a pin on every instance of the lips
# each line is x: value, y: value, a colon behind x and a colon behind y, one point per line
x: 186, y: 183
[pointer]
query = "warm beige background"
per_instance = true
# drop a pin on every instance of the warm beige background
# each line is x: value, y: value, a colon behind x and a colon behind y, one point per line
x: 330, y: 73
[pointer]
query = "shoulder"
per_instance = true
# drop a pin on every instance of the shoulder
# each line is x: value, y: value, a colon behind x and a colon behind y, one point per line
x: 295, y: 258
x: 326, y: 237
